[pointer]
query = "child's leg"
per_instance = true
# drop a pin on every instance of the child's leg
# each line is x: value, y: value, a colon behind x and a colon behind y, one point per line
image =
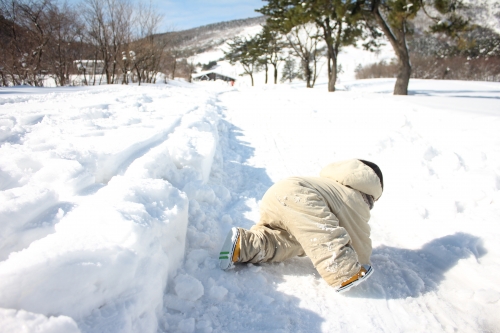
x: 262, y: 243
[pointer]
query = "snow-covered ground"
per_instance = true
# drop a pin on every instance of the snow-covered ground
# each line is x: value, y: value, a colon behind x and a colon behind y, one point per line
x: 114, y: 201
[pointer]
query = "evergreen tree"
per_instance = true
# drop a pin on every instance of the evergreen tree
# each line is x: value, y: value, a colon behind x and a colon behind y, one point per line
x: 339, y: 20
x: 271, y: 46
x: 246, y: 52
x: 289, y: 70
x: 394, y: 16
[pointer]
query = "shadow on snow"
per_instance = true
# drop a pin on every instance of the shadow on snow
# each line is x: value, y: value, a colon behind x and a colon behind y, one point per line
x: 258, y: 306
x: 456, y: 93
x: 401, y: 273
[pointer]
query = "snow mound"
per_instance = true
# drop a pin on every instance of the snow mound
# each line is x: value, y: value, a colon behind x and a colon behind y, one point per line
x: 99, y: 227
x: 26, y: 322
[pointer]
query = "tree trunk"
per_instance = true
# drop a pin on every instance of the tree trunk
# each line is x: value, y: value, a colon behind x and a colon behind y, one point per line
x: 173, y: 70
x: 251, y: 77
x: 124, y: 79
x: 113, y: 74
x: 329, y: 62
x: 138, y: 73
x: 333, y: 75
x: 332, y: 62
x: 315, y: 71
x: 108, y: 76
x: 85, y: 76
x: 308, y: 73
x: 403, y: 78
x: 332, y: 58
x: 275, y: 74
x: 4, y: 81
x: 266, y: 72
x: 95, y: 69
x: 398, y: 42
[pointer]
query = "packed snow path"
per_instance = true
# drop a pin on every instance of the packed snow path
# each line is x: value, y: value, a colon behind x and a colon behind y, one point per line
x: 115, y: 201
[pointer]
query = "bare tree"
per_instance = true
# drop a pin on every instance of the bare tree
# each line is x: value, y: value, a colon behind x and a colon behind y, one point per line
x: 65, y: 44
x: 147, y: 50
x: 170, y: 61
x: 109, y: 29
x: 289, y: 70
x: 29, y: 30
x: 120, y: 29
x: 303, y: 39
x: 104, y: 39
x: 98, y: 36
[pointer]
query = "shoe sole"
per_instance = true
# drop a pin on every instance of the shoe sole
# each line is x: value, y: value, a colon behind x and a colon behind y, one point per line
x: 227, y: 249
x: 369, y: 272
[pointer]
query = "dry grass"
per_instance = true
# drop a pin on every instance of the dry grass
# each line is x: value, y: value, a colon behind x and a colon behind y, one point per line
x: 449, y: 68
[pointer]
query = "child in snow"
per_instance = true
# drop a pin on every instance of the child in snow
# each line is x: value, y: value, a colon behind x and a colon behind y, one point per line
x: 325, y: 218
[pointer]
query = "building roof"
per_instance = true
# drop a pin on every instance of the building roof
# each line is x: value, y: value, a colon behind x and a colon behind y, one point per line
x: 207, y: 73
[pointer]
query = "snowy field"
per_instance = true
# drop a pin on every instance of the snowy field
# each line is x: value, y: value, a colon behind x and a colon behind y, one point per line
x: 114, y: 201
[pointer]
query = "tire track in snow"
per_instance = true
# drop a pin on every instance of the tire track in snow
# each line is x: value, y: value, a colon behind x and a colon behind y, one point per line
x: 132, y: 230
x: 110, y: 166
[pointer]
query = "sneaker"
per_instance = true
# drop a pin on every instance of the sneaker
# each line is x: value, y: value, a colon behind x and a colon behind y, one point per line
x: 364, y: 273
x: 230, y: 251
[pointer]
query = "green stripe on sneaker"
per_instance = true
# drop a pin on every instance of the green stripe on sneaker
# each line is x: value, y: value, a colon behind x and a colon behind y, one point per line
x: 224, y: 257
x: 224, y: 253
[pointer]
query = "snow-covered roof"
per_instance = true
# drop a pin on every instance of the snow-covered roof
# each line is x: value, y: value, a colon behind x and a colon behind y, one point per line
x: 206, y: 73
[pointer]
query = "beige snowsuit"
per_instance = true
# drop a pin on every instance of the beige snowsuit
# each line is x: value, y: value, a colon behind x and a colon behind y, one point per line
x: 325, y: 218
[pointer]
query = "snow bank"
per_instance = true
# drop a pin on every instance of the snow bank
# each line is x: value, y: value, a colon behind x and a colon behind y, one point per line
x: 114, y: 250
x: 19, y: 211
x: 26, y: 322
x: 93, y: 215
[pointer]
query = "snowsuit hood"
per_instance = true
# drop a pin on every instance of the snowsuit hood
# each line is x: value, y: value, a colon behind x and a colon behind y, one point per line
x: 355, y: 174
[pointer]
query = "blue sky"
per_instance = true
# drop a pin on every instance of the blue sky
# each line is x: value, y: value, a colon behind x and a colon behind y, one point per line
x: 185, y: 14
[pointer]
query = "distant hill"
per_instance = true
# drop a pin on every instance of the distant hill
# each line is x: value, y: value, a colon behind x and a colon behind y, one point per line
x: 205, y: 43
x: 205, y: 38
x: 208, y: 37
